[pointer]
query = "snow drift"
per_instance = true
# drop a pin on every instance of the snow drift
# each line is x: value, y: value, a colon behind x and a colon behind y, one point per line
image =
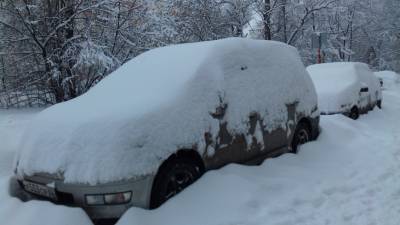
x: 161, y: 101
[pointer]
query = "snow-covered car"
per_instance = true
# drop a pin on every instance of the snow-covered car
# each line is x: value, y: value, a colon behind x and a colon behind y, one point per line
x: 387, y: 77
x: 156, y: 124
x: 348, y: 88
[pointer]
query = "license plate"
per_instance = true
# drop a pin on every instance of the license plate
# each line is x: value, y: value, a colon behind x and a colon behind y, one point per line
x: 40, y: 189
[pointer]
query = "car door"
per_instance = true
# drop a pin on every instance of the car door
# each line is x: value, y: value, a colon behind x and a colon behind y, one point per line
x: 228, y: 147
x: 278, y: 138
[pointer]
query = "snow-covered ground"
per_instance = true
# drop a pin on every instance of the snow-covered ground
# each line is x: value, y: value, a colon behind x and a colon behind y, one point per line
x: 348, y: 176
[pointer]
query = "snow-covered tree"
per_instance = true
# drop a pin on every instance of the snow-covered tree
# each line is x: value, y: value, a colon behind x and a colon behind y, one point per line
x: 48, y: 39
x: 55, y: 50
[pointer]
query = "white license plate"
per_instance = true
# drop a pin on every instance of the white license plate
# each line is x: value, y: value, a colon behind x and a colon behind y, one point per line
x: 40, y: 189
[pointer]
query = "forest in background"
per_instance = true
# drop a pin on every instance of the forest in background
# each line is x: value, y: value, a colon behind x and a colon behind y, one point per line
x: 55, y: 50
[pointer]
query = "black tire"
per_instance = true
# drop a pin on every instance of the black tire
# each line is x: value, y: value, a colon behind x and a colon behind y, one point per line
x: 354, y: 113
x: 15, y: 190
x: 173, y: 176
x: 379, y: 104
x: 301, y: 136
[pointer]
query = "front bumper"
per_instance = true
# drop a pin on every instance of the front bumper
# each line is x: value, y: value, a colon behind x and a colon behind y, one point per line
x: 74, y: 194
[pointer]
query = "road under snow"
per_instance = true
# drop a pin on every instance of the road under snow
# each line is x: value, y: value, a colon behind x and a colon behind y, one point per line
x: 350, y: 175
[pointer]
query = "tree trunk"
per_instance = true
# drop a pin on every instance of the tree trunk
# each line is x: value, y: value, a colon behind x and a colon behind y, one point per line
x: 285, y: 36
x: 267, y: 20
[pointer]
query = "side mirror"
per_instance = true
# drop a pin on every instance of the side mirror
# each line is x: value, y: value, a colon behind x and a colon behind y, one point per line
x: 364, y: 89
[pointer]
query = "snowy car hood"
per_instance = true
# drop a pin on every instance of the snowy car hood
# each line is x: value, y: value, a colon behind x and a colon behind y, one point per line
x: 160, y: 102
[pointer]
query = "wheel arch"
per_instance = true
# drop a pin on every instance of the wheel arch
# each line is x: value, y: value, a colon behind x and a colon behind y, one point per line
x: 355, y: 107
x: 312, y: 125
x: 306, y: 121
x: 190, y: 154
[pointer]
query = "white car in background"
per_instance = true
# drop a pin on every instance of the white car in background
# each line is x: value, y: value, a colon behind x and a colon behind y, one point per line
x: 387, y: 78
x: 348, y: 88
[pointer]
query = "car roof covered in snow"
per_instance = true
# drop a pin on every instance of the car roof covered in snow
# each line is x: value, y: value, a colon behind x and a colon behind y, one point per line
x: 333, y: 77
x: 388, y: 75
x: 161, y: 101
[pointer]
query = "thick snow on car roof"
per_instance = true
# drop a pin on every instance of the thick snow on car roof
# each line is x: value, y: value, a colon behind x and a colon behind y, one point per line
x: 336, y: 84
x: 161, y: 101
x: 333, y: 77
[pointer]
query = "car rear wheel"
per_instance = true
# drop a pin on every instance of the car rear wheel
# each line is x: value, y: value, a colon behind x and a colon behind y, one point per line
x: 15, y: 190
x: 173, y: 176
x: 354, y: 113
x: 379, y: 104
x: 301, y: 136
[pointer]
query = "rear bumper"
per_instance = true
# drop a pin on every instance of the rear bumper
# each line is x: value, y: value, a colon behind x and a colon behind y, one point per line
x: 74, y: 194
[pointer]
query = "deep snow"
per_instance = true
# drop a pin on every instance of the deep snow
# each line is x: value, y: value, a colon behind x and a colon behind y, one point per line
x: 349, y: 176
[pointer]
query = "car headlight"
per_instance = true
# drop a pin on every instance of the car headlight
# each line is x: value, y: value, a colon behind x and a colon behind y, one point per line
x: 118, y: 198
x: 94, y: 199
x: 109, y: 199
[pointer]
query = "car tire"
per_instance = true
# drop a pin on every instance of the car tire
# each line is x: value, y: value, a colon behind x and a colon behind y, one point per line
x: 379, y: 104
x: 354, y: 113
x: 301, y: 135
x: 173, y: 176
x: 15, y: 190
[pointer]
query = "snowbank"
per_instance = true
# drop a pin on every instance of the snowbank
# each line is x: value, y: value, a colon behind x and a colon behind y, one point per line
x: 161, y: 101
x: 15, y: 212
x: 338, y: 85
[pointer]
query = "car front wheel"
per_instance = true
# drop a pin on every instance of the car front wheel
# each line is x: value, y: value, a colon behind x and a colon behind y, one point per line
x: 354, y: 114
x: 379, y: 104
x: 173, y: 176
x: 301, y: 136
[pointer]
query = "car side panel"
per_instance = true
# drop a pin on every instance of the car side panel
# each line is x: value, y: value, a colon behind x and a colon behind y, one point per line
x: 241, y: 148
